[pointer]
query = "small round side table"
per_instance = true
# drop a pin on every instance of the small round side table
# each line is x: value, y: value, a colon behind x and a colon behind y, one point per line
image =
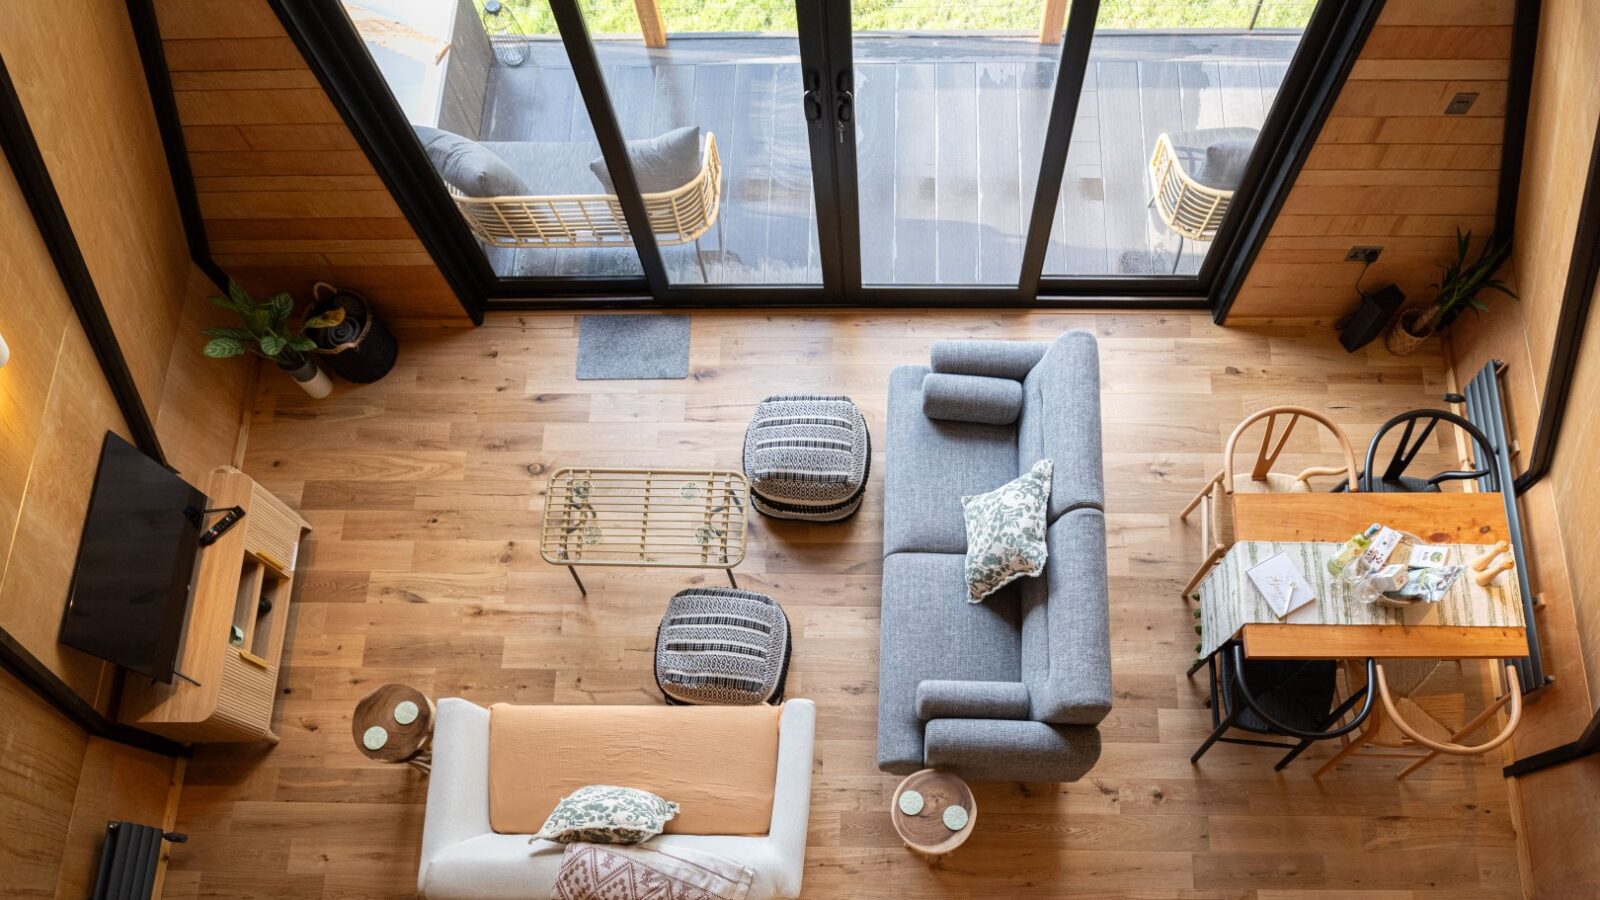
x: 926, y: 831
x: 382, y: 735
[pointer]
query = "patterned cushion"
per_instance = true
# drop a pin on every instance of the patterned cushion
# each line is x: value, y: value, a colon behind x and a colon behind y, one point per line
x: 1006, y: 532
x: 589, y: 872
x: 607, y: 814
x: 722, y: 646
x: 807, y: 457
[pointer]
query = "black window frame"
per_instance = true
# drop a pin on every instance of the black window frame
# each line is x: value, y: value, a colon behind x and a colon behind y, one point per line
x: 1322, y: 62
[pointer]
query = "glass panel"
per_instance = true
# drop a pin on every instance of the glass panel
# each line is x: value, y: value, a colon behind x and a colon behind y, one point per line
x: 516, y: 95
x: 1202, y: 74
x: 747, y: 214
x: 951, y: 104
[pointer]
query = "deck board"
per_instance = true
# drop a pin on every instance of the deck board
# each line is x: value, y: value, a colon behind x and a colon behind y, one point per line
x: 949, y: 134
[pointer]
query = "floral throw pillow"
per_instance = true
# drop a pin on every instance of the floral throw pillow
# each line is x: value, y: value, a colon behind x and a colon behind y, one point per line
x: 606, y: 814
x: 1006, y: 532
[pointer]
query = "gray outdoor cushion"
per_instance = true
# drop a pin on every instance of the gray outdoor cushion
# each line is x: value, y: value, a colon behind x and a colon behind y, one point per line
x: 1225, y: 163
x: 1004, y: 750
x: 469, y: 166
x: 661, y: 163
x: 1061, y: 420
x: 996, y: 359
x: 549, y: 169
x: 1066, y: 633
x: 931, y: 464
x: 1194, y: 152
x: 971, y: 398
x: 930, y: 632
x: 972, y: 700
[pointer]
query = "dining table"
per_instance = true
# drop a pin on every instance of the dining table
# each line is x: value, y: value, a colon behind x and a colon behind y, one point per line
x: 1471, y: 621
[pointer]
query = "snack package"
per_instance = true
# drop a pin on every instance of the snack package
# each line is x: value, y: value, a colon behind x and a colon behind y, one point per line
x: 1428, y: 585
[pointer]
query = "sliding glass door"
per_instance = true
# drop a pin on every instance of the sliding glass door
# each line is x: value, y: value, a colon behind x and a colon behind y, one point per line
x: 832, y: 152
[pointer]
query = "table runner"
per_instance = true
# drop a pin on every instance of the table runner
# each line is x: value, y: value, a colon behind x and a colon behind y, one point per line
x: 1229, y: 600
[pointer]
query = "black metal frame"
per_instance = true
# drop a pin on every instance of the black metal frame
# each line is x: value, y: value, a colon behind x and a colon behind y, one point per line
x: 1587, y: 744
x: 1519, y: 91
x: 326, y: 38
x: 1334, y: 39
x: 334, y: 52
x: 1484, y: 406
x: 1222, y: 722
x: 158, y: 80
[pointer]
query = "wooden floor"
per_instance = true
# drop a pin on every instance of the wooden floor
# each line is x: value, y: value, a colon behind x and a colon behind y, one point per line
x: 424, y: 490
x: 949, y: 135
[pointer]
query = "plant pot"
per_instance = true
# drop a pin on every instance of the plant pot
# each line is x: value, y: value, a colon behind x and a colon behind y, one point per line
x: 359, y: 349
x: 310, y: 377
x: 1402, y: 339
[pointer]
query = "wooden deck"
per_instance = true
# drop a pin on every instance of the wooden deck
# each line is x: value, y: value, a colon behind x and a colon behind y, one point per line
x: 949, y: 130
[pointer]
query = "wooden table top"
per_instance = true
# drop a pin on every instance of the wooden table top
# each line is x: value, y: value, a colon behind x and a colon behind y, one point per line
x: 1445, y: 518
x: 377, y: 709
x: 926, y: 832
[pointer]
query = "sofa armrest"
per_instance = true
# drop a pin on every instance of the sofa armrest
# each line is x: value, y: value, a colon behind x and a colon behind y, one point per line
x: 791, y: 796
x: 1003, y: 750
x: 971, y: 700
x: 996, y: 359
x: 458, y: 786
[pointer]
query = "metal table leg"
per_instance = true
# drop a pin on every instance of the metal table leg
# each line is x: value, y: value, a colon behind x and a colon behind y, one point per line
x: 581, y: 589
x: 730, y: 578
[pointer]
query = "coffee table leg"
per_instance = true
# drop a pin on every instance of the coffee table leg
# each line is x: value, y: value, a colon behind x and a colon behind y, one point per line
x: 730, y: 578
x: 581, y: 589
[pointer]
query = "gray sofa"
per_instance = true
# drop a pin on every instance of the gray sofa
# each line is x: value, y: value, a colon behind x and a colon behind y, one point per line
x: 1011, y: 689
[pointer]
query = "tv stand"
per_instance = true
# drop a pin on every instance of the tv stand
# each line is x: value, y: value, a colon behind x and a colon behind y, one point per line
x: 234, y: 643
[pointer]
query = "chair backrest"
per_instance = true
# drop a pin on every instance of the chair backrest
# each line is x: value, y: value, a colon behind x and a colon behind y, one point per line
x: 1267, y: 455
x: 1513, y: 696
x: 1243, y: 685
x: 1412, y: 442
x: 1185, y: 205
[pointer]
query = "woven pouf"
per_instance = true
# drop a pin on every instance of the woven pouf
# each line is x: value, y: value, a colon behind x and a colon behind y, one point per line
x: 807, y: 457
x: 722, y: 646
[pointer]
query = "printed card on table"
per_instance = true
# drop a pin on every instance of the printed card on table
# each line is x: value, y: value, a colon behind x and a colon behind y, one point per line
x: 1281, y: 583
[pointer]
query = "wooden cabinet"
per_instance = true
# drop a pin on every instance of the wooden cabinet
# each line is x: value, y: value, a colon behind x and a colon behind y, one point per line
x: 237, y: 615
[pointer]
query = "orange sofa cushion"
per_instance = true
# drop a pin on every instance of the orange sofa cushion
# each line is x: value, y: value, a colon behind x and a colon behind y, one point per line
x: 718, y: 763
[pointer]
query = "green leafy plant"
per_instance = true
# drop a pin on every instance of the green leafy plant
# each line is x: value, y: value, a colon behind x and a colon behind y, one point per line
x: 267, y: 330
x: 1461, y: 283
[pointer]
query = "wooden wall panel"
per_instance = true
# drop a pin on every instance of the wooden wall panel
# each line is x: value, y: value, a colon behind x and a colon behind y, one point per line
x: 1389, y: 168
x: 39, y: 773
x: 1561, y: 513
x: 288, y: 196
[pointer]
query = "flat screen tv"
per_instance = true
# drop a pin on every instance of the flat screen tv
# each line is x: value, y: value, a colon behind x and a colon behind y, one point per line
x: 129, y: 599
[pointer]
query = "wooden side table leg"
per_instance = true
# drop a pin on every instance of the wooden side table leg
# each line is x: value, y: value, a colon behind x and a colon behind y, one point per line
x: 574, y: 573
x: 422, y: 762
x: 735, y: 584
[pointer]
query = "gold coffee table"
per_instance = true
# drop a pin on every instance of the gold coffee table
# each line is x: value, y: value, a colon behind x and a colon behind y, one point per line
x: 671, y: 518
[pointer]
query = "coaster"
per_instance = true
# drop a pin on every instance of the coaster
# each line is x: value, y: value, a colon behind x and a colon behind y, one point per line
x: 405, y: 712
x: 955, y: 818
x: 374, y: 738
x: 911, y: 802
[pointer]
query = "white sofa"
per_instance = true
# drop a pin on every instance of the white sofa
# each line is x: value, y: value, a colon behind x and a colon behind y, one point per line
x: 464, y: 859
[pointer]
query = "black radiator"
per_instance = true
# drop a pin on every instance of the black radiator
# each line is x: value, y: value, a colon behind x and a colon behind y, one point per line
x: 1484, y: 410
x: 128, y: 861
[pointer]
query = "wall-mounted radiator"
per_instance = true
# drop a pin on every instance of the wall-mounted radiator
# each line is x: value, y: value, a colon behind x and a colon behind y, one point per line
x: 128, y: 861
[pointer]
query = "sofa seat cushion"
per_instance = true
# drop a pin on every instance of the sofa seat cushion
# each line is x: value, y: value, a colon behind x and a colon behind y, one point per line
x: 718, y: 763
x: 931, y: 464
x: 930, y: 632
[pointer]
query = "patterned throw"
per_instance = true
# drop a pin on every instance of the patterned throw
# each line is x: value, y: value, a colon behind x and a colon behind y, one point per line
x: 807, y: 457
x: 591, y: 872
x: 1006, y: 532
x: 722, y: 646
x: 607, y: 814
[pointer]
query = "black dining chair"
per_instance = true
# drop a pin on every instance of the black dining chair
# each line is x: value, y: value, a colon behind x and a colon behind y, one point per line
x: 1290, y: 698
x: 1419, y: 426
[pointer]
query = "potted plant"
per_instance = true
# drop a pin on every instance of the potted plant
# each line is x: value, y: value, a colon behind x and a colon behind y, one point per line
x: 1457, y: 290
x: 267, y: 332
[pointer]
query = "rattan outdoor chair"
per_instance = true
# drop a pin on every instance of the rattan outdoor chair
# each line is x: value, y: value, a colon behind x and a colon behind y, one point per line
x: 1192, y: 184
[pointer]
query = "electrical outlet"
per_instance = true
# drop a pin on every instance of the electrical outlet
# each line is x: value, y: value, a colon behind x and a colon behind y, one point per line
x: 1460, y: 103
x: 1361, y: 254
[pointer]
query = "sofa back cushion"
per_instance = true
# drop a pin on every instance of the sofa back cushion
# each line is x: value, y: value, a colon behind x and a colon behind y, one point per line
x: 718, y: 763
x: 1061, y: 421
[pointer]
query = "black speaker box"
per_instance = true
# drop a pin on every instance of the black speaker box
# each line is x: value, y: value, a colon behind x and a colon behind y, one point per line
x: 1368, y: 321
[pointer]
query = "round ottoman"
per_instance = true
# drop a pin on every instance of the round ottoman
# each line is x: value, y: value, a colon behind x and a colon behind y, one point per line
x: 807, y: 457
x: 722, y: 646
